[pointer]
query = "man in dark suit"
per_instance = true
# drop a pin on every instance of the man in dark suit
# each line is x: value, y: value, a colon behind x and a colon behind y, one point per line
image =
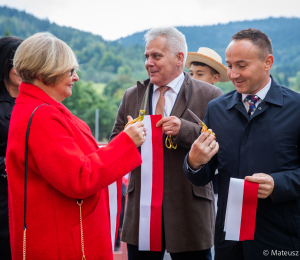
x: 188, y: 211
x: 258, y: 138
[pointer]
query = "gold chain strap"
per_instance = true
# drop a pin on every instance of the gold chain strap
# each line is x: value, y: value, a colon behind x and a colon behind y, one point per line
x: 24, y: 244
x: 81, y: 234
x: 79, y: 203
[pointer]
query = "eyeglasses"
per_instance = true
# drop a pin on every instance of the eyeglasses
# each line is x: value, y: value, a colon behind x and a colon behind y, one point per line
x: 72, y: 71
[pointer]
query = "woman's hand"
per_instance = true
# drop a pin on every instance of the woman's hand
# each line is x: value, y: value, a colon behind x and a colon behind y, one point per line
x: 137, y: 132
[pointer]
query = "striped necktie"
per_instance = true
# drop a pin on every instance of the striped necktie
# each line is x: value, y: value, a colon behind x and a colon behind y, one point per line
x: 252, y: 99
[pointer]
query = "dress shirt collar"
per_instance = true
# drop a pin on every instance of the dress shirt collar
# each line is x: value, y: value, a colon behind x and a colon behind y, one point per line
x: 262, y: 93
x: 274, y: 96
x: 175, y: 84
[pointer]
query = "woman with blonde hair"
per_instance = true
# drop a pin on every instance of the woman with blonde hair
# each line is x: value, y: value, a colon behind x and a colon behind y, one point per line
x: 67, y: 211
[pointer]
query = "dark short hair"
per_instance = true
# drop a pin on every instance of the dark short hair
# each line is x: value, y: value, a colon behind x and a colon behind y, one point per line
x: 8, y: 47
x: 212, y: 70
x: 258, y: 38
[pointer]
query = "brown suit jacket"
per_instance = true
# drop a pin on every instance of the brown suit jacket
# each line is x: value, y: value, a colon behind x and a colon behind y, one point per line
x: 188, y: 211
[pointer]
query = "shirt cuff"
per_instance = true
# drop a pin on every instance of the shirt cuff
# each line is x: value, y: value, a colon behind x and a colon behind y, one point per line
x: 193, y: 171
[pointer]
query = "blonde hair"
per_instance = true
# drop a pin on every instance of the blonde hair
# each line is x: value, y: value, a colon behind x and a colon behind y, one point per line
x: 44, y: 57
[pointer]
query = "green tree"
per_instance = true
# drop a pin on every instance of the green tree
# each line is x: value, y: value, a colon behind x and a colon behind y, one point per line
x: 296, y: 85
x: 85, y: 100
x: 111, y: 87
x: 7, y: 33
x: 110, y: 62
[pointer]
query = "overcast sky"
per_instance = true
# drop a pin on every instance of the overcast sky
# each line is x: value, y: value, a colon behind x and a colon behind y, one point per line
x: 113, y: 19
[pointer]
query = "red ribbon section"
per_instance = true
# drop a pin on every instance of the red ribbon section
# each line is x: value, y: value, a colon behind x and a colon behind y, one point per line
x: 157, y: 185
x: 249, y: 211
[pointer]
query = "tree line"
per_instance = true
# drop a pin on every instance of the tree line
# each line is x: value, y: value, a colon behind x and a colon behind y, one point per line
x: 108, y: 68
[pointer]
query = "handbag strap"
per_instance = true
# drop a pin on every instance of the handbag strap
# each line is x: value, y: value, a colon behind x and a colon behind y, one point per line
x: 25, y: 184
x: 79, y: 201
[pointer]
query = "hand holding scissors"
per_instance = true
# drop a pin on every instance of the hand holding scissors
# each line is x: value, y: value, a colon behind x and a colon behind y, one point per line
x: 142, y: 109
x: 204, y: 147
x: 200, y: 122
x: 202, y: 150
x: 137, y: 132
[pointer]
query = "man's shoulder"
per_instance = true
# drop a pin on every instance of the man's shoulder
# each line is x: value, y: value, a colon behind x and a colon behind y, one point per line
x: 131, y: 90
x: 204, y: 90
x: 198, y: 84
x: 284, y: 96
x: 134, y: 89
x: 290, y: 94
x: 222, y: 100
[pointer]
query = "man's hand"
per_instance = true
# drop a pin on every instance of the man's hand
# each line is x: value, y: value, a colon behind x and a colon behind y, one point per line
x: 266, y: 184
x: 203, y: 149
x: 136, y: 131
x: 170, y: 125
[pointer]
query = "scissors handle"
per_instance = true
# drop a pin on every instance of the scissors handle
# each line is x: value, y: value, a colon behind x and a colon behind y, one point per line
x: 169, y: 143
x: 138, y: 119
x: 204, y: 129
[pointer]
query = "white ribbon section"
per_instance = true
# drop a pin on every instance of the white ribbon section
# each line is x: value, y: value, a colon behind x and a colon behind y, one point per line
x: 234, y: 209
x: 146, y: 188
x: 113, y: 207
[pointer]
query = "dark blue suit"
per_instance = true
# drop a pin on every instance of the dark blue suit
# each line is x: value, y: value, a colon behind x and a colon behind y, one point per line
x: 268, y: 142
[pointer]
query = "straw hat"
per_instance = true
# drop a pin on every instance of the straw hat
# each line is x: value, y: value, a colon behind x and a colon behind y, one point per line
x: 209, y: 57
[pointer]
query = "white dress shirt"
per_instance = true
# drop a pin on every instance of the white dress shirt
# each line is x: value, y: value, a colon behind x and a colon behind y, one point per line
x: 170, y: 95
x: 261, y: 94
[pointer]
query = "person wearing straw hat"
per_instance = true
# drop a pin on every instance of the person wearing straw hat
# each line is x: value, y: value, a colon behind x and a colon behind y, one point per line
x: 206, y: 65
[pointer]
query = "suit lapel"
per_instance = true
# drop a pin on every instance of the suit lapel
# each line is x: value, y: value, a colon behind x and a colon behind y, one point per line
x: 182, y: 97
x: 180, y: 103
x: 141, y: 91
x: 237, y: 103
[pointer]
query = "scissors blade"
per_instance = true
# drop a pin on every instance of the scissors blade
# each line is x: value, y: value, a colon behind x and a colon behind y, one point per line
x: 200, y: 122
x: 145, y: 98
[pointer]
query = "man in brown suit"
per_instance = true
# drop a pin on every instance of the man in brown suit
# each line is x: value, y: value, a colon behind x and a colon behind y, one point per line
x: 188, y: 211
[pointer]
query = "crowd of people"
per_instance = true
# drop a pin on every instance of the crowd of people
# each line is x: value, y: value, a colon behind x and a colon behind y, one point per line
x: 54, y: 178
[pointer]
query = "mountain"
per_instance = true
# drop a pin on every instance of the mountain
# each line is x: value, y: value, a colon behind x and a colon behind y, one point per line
x: 103, y: 61
x: 117, y: 65
x: 284, y: 33
x: 100, y: 60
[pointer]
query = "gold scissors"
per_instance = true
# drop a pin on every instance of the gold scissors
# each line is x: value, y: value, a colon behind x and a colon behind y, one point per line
x: 143, y: 108
x: 169, y: 142
x: 200, y: 122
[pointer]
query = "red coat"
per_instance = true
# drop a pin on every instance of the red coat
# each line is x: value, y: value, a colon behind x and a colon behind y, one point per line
x: 64, y: 164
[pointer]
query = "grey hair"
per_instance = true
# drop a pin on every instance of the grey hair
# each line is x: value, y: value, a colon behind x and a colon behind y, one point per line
x: 176, y: 39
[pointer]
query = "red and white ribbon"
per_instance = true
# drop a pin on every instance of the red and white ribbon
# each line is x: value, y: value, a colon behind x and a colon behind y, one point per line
x: 151, y: 197
x: 241, y: 210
